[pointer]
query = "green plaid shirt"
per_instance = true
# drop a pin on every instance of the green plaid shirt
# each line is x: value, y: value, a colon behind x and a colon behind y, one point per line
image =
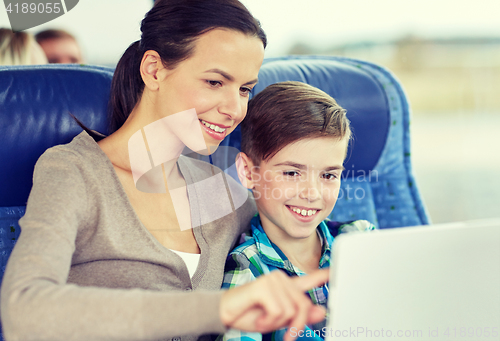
x: 258, y: 256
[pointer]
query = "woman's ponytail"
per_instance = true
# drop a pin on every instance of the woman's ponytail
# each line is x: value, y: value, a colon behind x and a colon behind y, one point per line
x: 126, y: 86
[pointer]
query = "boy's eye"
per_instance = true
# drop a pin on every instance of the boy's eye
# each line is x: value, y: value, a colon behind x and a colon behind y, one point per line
x: 291, y: 173
x: 214, y: 84
x: 330, y: 176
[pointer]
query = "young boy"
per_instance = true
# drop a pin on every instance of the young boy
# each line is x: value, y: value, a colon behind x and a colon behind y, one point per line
x: 294, y: 141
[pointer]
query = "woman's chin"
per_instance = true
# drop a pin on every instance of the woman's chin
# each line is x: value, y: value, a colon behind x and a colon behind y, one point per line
x: 209, y: 150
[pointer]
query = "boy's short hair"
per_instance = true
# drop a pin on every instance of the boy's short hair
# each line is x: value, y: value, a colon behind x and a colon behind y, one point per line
x: 286, y: 112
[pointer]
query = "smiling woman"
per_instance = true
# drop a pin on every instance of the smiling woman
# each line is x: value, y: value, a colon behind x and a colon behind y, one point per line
x: 115, y: 262
x: 216, y: 80
x: 191, y: 84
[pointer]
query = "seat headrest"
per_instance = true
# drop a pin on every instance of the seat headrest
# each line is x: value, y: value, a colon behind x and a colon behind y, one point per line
x: 35, y: 102
x: 353, y: 88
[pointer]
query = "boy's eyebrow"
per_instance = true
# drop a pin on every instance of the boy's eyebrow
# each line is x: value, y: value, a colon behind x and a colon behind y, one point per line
x: 334, y: 168
x: 292, y: 164
x: 229, y: 77
x: 301, y: 166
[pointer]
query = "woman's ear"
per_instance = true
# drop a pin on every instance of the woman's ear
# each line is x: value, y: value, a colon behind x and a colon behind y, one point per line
x: 244, y: 166
x: 151, y: 68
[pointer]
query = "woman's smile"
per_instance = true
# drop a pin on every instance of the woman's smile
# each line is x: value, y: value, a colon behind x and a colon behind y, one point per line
x: 216, y: 132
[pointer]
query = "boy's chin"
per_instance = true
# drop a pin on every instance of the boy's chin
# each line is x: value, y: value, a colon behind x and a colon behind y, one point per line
x: 303, y: 235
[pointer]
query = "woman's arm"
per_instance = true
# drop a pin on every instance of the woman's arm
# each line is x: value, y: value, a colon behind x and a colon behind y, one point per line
x: 37, y: 303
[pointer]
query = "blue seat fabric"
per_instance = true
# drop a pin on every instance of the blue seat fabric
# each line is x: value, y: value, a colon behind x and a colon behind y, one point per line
x: 35, y: 103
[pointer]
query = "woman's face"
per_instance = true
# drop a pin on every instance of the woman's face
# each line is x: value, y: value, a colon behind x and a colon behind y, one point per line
x: 216, y: 81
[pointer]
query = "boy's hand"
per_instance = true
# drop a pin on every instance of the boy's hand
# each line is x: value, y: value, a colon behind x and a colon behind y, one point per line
x: 272, y: 302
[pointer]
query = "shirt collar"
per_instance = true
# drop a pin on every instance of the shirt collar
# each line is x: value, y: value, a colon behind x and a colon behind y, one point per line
x: 271, y: 254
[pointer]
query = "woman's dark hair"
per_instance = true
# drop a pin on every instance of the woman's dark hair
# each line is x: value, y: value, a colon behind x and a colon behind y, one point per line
x: 171, y: 28
x: 286, y: 112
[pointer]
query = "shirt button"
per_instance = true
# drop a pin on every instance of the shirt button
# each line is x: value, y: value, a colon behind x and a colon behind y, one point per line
x: 176, y: 339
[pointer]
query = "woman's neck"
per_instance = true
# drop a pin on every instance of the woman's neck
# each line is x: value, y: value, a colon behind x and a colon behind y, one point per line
x: 125, y: 146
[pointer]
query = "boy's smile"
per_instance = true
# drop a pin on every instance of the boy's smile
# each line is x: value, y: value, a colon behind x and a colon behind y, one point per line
x: 305, y: 214
x: 297, y: 188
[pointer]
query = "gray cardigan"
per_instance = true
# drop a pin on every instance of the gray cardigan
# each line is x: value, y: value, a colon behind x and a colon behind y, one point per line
x: 85, y: 268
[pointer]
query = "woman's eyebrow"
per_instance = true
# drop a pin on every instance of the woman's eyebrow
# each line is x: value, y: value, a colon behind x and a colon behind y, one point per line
x: 228, y: 76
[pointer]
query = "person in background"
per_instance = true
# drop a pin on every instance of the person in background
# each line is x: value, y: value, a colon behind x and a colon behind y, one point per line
x: 19, y: 48
x: 60, y: 47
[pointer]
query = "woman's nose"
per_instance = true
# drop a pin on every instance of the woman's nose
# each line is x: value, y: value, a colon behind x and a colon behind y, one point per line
x: 232, y: 106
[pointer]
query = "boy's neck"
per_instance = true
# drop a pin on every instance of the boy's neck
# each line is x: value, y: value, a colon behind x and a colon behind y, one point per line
x: 303, y: 253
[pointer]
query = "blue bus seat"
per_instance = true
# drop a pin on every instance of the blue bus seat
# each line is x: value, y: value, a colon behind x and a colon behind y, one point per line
x: 35, y: 102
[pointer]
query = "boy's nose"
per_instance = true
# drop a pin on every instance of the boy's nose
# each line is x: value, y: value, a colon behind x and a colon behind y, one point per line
x: 310, y: 191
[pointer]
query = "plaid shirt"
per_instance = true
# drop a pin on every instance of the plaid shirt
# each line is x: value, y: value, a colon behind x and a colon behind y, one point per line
x: 258, y: 256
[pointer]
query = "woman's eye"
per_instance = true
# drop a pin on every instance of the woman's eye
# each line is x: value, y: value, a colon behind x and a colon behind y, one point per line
x: 330, y: 176
x: 291, y: 173
x: 214, y: 84
x: 245, y: 91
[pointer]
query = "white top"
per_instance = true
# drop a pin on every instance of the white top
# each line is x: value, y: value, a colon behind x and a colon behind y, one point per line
x: 191, y: 260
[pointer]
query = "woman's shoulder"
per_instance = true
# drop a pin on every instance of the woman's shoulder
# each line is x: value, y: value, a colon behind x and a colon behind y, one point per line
x: 195, y: 171
x: 82, y: 145
x: 217, y: 194
x: 82, y: 152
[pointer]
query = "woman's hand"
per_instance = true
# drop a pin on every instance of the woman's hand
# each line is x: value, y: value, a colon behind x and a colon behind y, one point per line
x: 272, y: 302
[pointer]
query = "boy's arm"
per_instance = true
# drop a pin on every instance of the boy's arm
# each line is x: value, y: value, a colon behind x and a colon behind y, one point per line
x: 238, y: 271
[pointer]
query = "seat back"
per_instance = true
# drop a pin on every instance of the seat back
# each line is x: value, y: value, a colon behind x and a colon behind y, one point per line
x: 35, y: 102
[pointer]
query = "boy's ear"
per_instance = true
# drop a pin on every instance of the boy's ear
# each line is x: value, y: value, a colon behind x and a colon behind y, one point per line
x: 244, y: 167
x: 152, y: 70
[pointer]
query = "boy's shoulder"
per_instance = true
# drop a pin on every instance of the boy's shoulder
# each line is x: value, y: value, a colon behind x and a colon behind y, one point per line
x: 255, y: 252
x: 247, y: 248
x: 336, y: 227
x: 244, y: 264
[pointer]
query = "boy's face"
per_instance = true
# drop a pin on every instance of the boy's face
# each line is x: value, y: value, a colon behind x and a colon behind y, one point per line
x: 297, y: 188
